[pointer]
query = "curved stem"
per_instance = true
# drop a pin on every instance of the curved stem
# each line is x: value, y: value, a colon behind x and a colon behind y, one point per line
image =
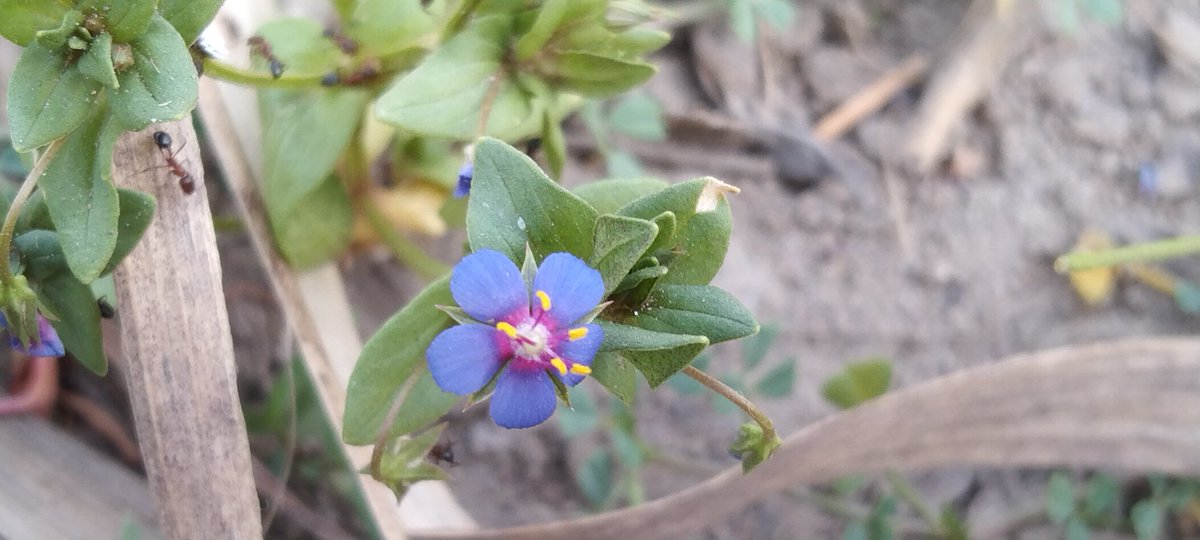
x: 405, y: 250
x: 231, y: 73
x: 14, y: 209
x: 736, y: 398
x: 1144, y: 252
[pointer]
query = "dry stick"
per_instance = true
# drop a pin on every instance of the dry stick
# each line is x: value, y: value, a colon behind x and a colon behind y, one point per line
x: 871, y: 98
x: 1131, y: 404
x: 179, y: 354
x: 283, y: 281
x: 985, y: 42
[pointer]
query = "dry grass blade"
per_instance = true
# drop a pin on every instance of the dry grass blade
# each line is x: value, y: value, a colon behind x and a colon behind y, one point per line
x: 1131, y: 404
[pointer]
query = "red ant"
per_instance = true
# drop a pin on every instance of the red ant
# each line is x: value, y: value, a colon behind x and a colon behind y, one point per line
x: 259, y: 46
x: 442, y: 452
x: 347, y: 45
x: 163, y: 141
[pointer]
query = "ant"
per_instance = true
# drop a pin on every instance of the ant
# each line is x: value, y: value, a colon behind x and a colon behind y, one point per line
x: 362, y: 75
x: 106, y: 309
x: 442, y: 452
x: 186, y: 182
x: 347, y: 45
x: 259, y: 46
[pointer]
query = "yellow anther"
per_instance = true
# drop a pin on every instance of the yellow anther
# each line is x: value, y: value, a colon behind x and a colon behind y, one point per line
x: 576, y: 334
x: 580, y: 369
x: 559, y: 365
x: 507, y: 329
x: 544, y: 299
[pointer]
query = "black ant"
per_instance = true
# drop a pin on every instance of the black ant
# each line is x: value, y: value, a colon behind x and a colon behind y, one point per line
x: 186, y: 182
x: 259, y: 46
x: 106, y: 309
x: 442, y: 452
x: 347, y: 45
x: 361, y: 75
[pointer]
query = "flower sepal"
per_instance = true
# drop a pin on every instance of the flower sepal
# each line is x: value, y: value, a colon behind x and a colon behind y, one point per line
x: 752, y: 446
x: 406, y: 462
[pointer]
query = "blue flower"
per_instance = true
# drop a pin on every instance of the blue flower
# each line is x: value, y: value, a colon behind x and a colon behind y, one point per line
x: 526, y: 338
x: 45, y: 344
x: 464, y: 180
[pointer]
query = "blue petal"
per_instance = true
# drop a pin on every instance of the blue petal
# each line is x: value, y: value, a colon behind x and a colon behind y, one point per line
x: 581, y: 351
x: 522, y: 398
x: 574, y: 287
x: 464, y: 180
x: 462, y: 359
x: 488, y: 286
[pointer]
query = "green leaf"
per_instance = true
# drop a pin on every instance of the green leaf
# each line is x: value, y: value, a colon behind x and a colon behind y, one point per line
x: 622, y: 164
x: 638, y: 41
x: 304, y: 134
x: 137, y: 210
x: 1104, y: 11
x: 1076, y: 529
x: 384, y: 27
x: 549, y: 18
x: 96, y: 64
x: 162, y: 83
x: 638, y: 116
x: 618, y: 243
x: 608, y: 196
x: 657, y: 355
x: 513, y: 203
x: 597, y: 76
x: 317, y: 229
x: 858, y: 382
x: 778, y: 382
x: 444, y: 95
x: 615, y: 375
x: 392, y: 356
x: 777, y: 13
x: 582, y: 417
x: 879, y: 523
x: 703, y: 224
x: 756, y: 347
x: 124, y: 19
x: 189, y: 17
x: 300, y: 45
x: 40, y: 254
x: 1060, y: 498
x: 741, y: 18
x: 697, y: 310
x: 855, y: 530
x: 78, y: 323
x: 666, y: 232
x: 595, y: 477
x: 752, y: 446
x: 81, y: 199
x: 1103, y: 498
x: 953, y: 525
x: 46, y: 100
x: 23, y: 18
x: 1147, y: 519
x: 637, y: 277
x: 1187, y: 296
x: 425, y: 403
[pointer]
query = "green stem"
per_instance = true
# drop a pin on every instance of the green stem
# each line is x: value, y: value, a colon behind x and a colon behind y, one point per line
x: 1144, y: 252
x: 458, y: 19
x: 909, y: 495
x: 231, y: 73
x: 14, y: 209
x: 404, y: 249
x: 736, y: 398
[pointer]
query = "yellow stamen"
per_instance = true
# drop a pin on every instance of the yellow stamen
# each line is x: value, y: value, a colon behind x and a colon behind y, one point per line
x: 580, y: 369
x: 559, y: 365
x: 576, y: 334
x: 507, y: 329
x: 544, y: 299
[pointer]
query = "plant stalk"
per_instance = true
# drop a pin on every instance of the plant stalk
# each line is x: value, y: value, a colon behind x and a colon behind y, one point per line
x: 736, y: 398
x: 909, y: 495
x: 405, y: 250
x: 231, y: 73
x: 14, y: 209
x: 1144, y: 252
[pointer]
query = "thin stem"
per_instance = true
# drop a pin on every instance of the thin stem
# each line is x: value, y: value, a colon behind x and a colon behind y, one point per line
x: 459, y: 19
x: 736, y: 398
x: 909, y: 495
x: 405, y: 250
x: 231, y: 73
x: 14, y: 210
x: 489, y: 99
x: 1144, y: 252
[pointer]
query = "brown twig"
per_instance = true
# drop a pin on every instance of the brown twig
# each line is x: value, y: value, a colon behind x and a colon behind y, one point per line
x: 871, y: 98
x: 293, y: 508
x: 104, y: 423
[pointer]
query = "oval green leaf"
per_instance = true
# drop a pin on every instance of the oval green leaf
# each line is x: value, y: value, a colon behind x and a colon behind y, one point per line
x: 699, y: 310
x: 162, y: 83
x: 78, y: 323
x: 618, y: 243
x: 46, y: 100
x: 24, y: 18
x: 189, y: 17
